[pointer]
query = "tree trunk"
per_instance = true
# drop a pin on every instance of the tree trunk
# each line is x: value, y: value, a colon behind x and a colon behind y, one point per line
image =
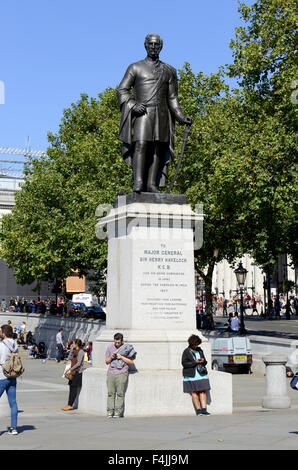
x: 65, y: 299
x: 208, y: 289
x: 209, y: 311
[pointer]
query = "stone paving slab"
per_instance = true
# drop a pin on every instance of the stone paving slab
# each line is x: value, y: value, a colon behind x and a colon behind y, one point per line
x: 42, y: 392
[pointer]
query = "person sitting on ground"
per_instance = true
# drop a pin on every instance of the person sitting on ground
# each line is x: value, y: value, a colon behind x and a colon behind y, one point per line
x: 33, y: 350
x: 235, y: 323
x: 228, y: 324
x: 29, y: 339
x: 289, y: 372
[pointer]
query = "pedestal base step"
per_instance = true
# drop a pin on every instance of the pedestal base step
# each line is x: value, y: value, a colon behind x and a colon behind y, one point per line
x: 155, y: 393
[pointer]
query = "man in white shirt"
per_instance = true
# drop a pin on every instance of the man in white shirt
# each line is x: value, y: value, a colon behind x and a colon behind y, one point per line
x: 235, y: 323
x: 60, y: 344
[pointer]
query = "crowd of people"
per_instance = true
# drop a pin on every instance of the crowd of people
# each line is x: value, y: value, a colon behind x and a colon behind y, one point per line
x: 51, y: 305
x: 24, y: 305
x: 251, y: 304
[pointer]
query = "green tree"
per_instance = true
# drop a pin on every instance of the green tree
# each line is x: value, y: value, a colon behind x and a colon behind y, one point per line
x: 214, y: 155
x: 265, y: 64
x: 51, y: 229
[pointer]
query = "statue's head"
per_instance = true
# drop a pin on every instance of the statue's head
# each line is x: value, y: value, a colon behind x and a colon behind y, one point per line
x: 153, y: 45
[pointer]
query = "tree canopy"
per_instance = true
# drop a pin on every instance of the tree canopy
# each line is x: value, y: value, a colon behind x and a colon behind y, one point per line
x: 265, y: 64
x: 51, y: 230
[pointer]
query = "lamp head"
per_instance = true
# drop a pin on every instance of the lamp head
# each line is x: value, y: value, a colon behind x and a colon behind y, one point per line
x: 241, y: 273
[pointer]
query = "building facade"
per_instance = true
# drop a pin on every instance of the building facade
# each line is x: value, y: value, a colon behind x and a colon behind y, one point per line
x: 224, y: 282
x: 8, y: 286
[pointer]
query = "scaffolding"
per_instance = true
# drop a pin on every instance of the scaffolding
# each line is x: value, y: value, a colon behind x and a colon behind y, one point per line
x: 15, y: 168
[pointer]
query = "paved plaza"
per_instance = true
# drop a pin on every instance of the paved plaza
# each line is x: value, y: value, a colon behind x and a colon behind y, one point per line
x: 42, y: 392
x: 256, y: 325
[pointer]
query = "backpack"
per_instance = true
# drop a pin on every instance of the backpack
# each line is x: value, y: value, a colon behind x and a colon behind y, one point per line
x: 13, y: 367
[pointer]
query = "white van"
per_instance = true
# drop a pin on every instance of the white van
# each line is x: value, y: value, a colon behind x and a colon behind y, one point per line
x: 88, y: 299
x: 231, y: 352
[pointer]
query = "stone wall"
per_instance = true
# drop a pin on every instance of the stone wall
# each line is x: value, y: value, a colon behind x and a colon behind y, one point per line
x: 45, y: 327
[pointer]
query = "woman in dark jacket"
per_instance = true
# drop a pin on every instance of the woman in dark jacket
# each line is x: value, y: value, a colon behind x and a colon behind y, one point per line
x: 74, y: 373
x: 195, y: 382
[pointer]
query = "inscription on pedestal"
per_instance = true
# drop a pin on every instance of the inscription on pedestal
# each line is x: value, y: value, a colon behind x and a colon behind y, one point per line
x: 163, y: 283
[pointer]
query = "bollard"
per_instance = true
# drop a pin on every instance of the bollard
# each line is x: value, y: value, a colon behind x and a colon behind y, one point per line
x: 276, y: 384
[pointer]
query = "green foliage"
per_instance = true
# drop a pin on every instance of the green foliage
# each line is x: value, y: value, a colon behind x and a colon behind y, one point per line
x: 265, y: 63
x: 51, y: 230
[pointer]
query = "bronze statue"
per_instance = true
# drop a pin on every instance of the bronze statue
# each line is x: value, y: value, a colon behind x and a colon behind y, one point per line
x: 148, y: 117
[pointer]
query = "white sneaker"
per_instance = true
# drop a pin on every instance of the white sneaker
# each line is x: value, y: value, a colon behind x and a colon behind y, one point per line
x: 13, y: 431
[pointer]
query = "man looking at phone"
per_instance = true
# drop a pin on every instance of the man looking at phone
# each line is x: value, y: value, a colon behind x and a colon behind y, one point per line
x: 119, y: 356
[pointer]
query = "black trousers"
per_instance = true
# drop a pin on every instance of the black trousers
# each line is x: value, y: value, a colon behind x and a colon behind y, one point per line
x: 74, y: 385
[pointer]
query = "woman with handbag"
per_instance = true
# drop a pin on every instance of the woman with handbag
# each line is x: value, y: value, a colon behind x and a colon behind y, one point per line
x: 74, y: 373
x: 195, y: 375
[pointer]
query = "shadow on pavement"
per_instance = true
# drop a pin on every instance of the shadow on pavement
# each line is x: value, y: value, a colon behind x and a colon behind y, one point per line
x: 26, y: 427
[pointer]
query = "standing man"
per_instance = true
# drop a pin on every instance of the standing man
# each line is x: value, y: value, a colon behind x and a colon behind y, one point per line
x: 60, y: 344
x: 148, y: 117
x: 254, y: 306
x: 119, y: 356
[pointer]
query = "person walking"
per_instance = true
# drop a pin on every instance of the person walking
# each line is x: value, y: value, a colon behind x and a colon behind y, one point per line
x: 195, y: 375
x: 225, y: 307
x: 74, y: 373
x: 60, y: 345
x: 254, y: 306
x: 119, y: 356
x: 7, y: 347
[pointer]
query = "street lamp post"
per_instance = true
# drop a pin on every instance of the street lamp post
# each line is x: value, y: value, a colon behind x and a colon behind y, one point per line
x: 241, y: 273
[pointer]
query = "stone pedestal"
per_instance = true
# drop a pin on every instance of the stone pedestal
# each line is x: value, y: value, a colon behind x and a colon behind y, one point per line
x: 151, y: 301
x: 276, y: 384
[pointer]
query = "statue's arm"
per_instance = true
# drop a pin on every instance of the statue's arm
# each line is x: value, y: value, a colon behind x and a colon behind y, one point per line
x: 124, y: 89
x: 173, y: 101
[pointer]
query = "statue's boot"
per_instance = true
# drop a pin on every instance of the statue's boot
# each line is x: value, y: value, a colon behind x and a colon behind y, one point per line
x: 152, y: 175
x: 139, y: 162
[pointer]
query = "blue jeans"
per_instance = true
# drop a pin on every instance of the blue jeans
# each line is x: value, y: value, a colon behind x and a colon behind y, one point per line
x: 10, y: 386
x: 60, y: 352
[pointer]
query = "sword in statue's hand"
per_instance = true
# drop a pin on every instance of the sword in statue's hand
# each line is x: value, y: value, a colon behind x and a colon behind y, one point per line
x: 186, y: 134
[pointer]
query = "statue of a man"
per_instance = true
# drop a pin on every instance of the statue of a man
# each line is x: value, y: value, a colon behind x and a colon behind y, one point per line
x: 148, y: 117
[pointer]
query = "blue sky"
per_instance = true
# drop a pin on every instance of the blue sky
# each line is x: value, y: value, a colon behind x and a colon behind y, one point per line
x: 52, y: 51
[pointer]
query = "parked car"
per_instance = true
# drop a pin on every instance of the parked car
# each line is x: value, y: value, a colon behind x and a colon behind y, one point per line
x: 76, y: 309
x: 231, y: 353
x: 95, y: 312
